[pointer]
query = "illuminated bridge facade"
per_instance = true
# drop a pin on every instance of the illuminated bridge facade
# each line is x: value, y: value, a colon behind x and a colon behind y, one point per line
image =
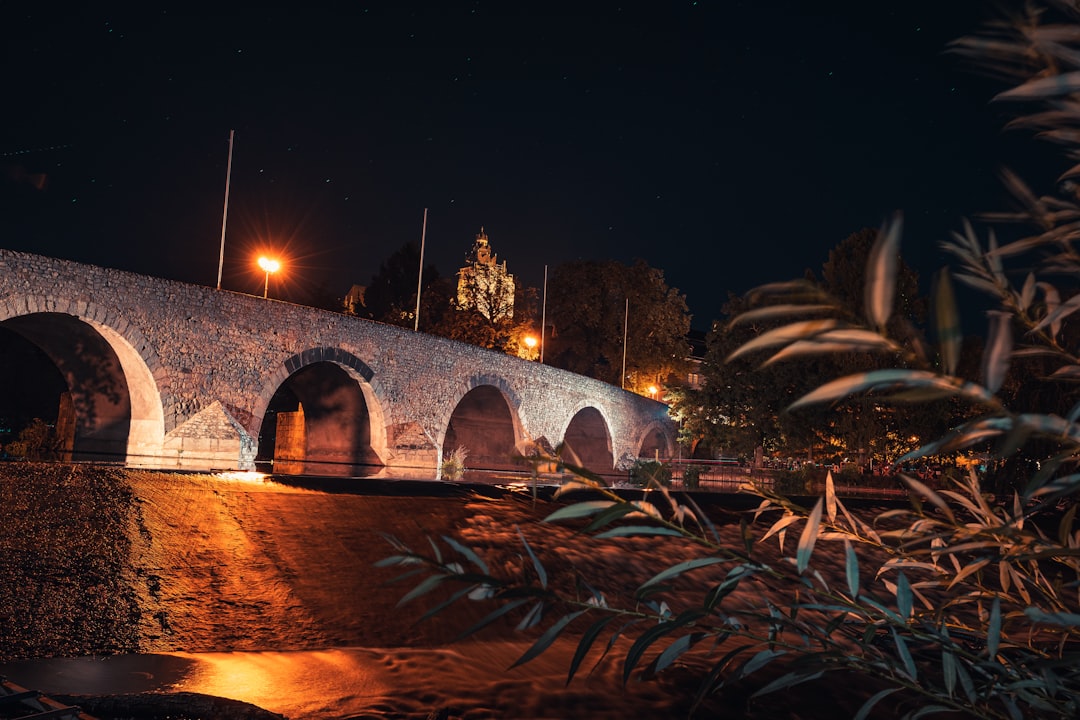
x: 166, y: 374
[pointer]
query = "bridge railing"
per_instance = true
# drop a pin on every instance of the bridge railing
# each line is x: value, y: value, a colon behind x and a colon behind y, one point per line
x: 716, y: 475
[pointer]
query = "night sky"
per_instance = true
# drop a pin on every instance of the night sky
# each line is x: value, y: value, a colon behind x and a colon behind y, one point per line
x: 727, y: 143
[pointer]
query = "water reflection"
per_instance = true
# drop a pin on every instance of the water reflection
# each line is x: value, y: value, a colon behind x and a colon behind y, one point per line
x: 307, y: 684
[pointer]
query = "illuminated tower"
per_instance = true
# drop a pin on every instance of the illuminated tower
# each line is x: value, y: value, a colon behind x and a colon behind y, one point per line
x: 484, y: 284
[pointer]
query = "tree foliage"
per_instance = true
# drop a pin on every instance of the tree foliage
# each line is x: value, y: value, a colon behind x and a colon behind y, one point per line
x: 965, y: 603
x: 592, y: 305
x: 390, y: 296
x: 742, y: 404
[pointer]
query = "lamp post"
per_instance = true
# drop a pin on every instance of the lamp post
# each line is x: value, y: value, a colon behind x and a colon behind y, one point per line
x: 530, y: 343
x: 268, y: 265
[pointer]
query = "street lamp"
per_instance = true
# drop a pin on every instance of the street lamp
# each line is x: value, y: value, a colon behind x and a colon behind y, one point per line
x: 268, y: 265
x: 530, y: 343
x: 652, y: 391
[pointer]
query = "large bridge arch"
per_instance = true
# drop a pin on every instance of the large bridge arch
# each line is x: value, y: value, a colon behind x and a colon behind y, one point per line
x: 587, y: 440
x: 113, y: 410
x: 485, y: 419
x: 320, y: 413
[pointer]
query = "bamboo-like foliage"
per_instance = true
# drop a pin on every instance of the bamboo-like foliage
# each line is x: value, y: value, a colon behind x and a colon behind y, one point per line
x: 964, y: 602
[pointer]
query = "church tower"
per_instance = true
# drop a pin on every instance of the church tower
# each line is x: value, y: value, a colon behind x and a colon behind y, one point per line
x: 484, y: 285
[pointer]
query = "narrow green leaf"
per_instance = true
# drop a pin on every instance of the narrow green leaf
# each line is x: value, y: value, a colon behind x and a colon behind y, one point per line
x: 881, y: 273
x: 759, y: 661
x: 888, y: 380
x: 947, y: 322
x: 491, y: 617
x: 579, y: 510
x: 783, y: 335
x: 929, y: 710
x: 786, y: 681
x: 998, y: 350
x: 1051, y: 299
x: 1063, y: 619
x: 427, y: 585
x: 679, y: 569
x: 672, y: 652
x: 932, y: 497
x: 1060, y: 311
x: 808, y: 538
x: 642, y: 643
x: 532, y: 617
x: 540, y: 572
x: 467, y: 552
x: 636, y: 530
x: 1027, y: 294
x: 851, y: 568
x: 993, y: 630
x: 903, y: 596
x: 545, y: 640
x: 446, y: 603
x: 864, y: 711
x: 586, y: 642
x: 830, y: 497
x: 948, y: 669
x: 905, y: 655
x: 771, y: 312
x: 1054, y: 85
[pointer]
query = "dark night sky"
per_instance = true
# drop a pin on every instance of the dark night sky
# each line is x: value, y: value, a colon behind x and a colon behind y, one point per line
x: 727, y: 143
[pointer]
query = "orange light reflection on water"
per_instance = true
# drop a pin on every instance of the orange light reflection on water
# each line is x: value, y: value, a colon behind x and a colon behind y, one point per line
x: 302, y: 684
x: 247, y: 476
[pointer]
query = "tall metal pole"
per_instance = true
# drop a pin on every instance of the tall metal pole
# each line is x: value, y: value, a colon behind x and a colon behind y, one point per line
x: 420, y: 280
x: 225, y: 212
x: 543, y: 317
x: 625, y: 325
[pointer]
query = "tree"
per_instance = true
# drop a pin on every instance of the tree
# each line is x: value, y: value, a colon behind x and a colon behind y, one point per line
x: 591, y: 304
x: 390, y: 296
x: 742, y: 404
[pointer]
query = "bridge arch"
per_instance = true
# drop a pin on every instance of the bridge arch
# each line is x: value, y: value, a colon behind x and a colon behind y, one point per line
x: 655, y: 442
x: 113, y: 407
x: 587, y: 439
x: 485, y: 419
x: 320, y: 412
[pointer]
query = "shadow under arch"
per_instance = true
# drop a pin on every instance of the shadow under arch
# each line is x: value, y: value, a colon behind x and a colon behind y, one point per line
x: 587, y: 442
x: 112, y: 411
x: 323, y: 417
x: 486, y: 423
x: 655, y: 443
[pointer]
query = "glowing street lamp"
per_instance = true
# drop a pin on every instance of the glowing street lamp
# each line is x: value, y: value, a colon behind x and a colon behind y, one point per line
x: 652, y: 391
x: 268, y: 265
x: 530, y: 343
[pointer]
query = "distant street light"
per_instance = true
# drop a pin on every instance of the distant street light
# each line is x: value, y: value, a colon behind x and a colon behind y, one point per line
x: 269, y: 265
x: 652, y: 391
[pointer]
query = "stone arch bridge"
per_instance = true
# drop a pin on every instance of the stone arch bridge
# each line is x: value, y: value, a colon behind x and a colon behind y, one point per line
x: 166, y: 374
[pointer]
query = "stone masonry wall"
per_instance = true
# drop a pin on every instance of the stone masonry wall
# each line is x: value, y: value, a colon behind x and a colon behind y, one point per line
x: 203, y: 346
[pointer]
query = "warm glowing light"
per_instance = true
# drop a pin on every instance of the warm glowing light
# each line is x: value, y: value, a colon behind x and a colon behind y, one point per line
x: 269, y: 264
x: 652, y: 391
x: 249, y: 476
x: 530, y: 341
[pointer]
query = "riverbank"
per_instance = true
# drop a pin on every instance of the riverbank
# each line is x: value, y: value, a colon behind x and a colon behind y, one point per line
x: 109, y: 562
